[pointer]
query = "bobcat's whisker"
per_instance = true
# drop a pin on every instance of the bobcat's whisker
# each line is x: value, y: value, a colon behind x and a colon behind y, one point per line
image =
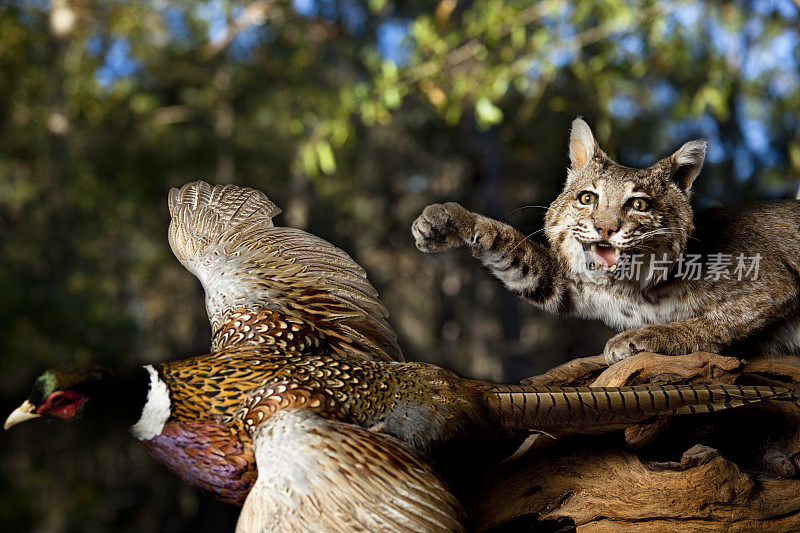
x: 525, y: 239
x: 660, y: 231
x: 545, y: 207
x: 534, y: 233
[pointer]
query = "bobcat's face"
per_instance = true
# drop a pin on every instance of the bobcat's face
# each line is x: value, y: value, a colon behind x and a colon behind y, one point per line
x: 609, y: 218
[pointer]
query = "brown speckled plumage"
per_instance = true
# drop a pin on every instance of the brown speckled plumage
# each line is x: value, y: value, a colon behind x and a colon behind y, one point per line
x: 268, y: 328
x: 214, y: 386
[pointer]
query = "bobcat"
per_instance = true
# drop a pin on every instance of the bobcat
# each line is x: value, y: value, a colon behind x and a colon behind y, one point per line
x: 623, y: 249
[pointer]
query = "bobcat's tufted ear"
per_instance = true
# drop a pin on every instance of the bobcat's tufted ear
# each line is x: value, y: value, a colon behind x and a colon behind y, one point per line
x: 582, y: 145
x: 686, y: 163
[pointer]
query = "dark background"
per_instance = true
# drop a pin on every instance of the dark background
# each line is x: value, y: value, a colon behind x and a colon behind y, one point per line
x: 352, y: 116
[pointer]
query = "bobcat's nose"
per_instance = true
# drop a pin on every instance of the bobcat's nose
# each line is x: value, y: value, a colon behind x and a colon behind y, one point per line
x: 606, y: 229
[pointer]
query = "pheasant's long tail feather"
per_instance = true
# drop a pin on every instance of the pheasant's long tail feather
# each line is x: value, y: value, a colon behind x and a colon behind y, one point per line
x: 596, y: 409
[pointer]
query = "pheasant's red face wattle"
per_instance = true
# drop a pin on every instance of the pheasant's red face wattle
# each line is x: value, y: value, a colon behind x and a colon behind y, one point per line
x: 63, y: 404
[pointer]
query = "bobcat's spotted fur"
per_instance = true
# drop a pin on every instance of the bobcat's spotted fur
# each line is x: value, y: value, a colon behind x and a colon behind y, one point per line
x: 607, y: 219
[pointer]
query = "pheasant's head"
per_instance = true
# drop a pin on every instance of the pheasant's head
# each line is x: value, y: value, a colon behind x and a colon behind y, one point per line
x: 61, y: 392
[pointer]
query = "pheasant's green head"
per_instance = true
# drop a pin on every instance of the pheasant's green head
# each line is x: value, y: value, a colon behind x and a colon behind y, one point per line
x: 61, y: 392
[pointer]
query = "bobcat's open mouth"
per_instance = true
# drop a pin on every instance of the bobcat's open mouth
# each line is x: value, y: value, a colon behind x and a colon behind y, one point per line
x: 603, y: 256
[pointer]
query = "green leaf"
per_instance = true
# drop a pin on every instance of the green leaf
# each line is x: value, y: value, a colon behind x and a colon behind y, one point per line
x: 309, y: 159
x: 794, y: 154
x: 327, y: 162
x: 392, y: 98
x: 487, y: 113
x: 376, y: 6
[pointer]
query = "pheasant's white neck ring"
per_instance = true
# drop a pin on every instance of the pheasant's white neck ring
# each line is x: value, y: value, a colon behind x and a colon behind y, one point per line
x: 156, y: 409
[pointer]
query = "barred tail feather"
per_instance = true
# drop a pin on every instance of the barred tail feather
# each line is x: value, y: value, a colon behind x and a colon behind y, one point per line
x: 596, y: 409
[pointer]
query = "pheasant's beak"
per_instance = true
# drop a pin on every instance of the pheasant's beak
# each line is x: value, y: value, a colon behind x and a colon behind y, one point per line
x: 21, y: 414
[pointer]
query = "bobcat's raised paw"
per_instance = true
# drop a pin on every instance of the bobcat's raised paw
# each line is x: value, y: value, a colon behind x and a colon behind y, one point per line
x: 441, y: 227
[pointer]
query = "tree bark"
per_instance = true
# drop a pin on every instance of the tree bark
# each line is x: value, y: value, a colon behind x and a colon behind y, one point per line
x: 735, y: 470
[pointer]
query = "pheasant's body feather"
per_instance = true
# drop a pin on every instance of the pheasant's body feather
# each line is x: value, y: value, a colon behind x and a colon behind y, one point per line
x: 422, y: 405
x: 220, y: 400
x: 208, y: 455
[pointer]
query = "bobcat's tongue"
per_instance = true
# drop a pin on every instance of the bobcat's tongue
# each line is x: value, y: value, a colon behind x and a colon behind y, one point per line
x: 608, y: 254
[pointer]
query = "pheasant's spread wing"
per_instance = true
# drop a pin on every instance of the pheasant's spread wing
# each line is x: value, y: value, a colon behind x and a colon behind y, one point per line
x: 260, y: 279
x: 317, y: 474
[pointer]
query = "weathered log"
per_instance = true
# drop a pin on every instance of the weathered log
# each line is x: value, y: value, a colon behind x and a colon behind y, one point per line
x: 735, y: 470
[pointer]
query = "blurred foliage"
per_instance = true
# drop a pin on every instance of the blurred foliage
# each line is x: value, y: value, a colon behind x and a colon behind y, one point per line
x: 352, y: 116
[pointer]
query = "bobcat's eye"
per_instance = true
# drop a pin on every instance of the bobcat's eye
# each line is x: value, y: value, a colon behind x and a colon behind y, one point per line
x: 640, y: 204
x: 587, y: 197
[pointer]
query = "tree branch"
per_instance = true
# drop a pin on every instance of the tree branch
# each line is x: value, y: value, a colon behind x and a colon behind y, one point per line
x: 734, y: 470
x: 254, y: 14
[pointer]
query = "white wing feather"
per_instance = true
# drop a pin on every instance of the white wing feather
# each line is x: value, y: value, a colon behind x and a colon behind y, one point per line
x: 317, y: 474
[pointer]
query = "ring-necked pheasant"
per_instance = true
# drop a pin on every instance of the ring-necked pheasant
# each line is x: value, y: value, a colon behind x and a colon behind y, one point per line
x: 305, y: 384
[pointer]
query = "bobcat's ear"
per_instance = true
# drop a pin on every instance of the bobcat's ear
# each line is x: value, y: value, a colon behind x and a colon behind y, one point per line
x: 582, y: 145
x: 686, y: 164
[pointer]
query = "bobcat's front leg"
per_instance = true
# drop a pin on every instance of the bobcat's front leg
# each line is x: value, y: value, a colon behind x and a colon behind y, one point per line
x: 669, y: 339
x: 526, y: 268
x: 712, y: 332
